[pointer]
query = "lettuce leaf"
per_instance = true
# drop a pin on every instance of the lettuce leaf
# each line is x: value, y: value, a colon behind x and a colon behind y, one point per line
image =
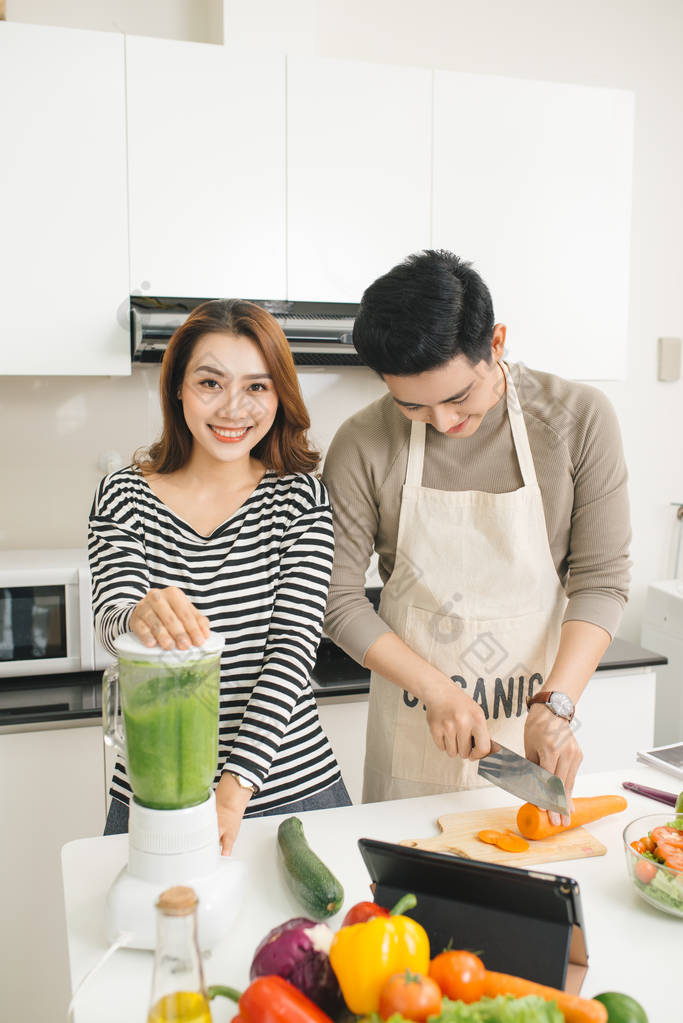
x: 504, y: 1009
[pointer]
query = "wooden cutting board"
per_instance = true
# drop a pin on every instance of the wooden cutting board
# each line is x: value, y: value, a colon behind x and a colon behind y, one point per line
x: 459, y: 836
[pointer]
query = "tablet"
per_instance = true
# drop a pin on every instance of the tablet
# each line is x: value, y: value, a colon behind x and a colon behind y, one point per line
x: 522, y: 922
x: 666, y: 758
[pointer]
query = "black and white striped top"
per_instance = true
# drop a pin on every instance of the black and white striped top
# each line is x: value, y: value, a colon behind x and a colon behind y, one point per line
x: 261, y: 578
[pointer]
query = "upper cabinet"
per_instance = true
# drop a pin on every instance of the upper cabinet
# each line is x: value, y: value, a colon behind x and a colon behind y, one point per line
x: 64, y: 239
x: 532, y: 182
x: 149, y: 166
x: 358, y: 173
x: 206, y: 151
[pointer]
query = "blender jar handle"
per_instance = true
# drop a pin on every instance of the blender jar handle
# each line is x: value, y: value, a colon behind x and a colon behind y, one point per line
x: 111, y: 722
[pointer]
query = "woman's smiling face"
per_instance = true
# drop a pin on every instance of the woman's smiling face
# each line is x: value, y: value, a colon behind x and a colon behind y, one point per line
x: 229, y: 401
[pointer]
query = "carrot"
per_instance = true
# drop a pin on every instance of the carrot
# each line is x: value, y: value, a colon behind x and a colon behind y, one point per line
x: 506, y: 840
x: 535, y: 824
x: 573, y: 1008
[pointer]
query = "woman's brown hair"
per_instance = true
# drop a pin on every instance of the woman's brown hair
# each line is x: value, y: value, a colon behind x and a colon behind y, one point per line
x: 285, y: 448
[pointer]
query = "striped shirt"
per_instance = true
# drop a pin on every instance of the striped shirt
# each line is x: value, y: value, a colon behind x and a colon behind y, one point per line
x: 261, y: 578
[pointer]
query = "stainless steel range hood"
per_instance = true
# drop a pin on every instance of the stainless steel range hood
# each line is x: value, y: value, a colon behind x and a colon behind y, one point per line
x: 319, y: 333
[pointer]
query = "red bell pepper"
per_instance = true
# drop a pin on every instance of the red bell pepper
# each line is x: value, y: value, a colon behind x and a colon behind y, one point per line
x: 362, y: 912
x: 272, y: 1000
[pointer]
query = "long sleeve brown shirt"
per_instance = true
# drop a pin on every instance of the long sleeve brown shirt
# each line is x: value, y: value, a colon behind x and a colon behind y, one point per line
x: 576, y: 447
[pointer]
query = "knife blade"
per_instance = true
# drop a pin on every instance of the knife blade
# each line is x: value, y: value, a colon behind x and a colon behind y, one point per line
x: 528, y: 781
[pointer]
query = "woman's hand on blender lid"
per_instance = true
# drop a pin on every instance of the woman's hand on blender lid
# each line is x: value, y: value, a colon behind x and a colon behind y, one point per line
x: 168, y: 617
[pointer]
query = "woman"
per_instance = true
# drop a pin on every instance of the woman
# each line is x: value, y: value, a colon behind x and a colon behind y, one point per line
x: 221, y: 525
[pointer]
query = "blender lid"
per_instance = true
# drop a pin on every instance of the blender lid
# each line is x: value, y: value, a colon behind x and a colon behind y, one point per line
x: 128, y: 645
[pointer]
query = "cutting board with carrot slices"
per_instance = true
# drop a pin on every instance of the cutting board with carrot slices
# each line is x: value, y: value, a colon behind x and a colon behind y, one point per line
x: 459, y: 835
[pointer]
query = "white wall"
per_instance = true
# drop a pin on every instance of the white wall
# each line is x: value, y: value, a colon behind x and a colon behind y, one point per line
x: 199, y: 21
x: 56, y: 428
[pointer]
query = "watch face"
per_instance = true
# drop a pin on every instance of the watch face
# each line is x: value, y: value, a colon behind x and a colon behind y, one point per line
x: 562, y: 705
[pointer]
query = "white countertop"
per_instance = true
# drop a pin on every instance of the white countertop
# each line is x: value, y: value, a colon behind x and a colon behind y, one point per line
x: 632, y: 947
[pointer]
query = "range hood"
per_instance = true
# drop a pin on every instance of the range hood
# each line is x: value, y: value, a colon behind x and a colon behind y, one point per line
x: 319, y: 333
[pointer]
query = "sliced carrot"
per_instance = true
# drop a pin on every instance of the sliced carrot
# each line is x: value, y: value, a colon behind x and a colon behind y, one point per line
x: 513, y: 843
x: 505, y: 840
x: 489, y: 836
x: 573, y: 1008
x: 535, y: 823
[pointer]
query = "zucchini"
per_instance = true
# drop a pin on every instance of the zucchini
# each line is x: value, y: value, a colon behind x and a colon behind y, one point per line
x: 312, y: 883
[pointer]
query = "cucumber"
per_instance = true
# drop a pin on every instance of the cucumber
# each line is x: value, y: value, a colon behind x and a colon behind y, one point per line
x: 312, y: 883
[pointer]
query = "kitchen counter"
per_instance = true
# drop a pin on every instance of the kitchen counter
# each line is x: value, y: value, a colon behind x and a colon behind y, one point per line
x: 632, y: 947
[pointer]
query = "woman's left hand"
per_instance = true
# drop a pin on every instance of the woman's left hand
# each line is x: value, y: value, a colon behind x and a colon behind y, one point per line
x: 231, y: 802
x: 550, y: 742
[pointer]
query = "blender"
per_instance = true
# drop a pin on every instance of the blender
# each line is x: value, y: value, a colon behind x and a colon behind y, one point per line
x: 168, y: 736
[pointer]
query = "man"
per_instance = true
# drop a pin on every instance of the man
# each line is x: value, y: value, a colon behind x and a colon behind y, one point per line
x: 496, y: 500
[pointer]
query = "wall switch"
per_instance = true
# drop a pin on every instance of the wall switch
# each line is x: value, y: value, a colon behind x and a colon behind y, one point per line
x: 669, y: 358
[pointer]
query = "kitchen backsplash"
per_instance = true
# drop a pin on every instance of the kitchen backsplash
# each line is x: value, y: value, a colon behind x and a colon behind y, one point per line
x: 57, y: 429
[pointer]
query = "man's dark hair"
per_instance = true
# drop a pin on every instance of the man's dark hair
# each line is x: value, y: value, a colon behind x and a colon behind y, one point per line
x: 423, y: 313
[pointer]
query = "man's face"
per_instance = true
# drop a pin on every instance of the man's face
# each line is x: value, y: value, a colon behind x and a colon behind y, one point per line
x: 454, y: 397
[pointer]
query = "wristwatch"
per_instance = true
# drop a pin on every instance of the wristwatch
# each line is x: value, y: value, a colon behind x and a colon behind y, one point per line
x: 559, y: 703
x: 242, y: 782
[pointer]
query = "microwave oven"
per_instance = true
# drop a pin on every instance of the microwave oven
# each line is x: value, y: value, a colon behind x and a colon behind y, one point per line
x: 46, y: 619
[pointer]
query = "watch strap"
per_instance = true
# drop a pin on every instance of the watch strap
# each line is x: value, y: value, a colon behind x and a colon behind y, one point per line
x: 242, y: 782
x: 545, y: 697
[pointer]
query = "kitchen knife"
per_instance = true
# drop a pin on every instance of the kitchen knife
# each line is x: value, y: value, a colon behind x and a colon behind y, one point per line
x: 530, y: 782
x: 644, y: 790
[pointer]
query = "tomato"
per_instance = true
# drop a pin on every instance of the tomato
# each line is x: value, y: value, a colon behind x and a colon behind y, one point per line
x: 459, y: 974
x: 645, y: 870
x: 412, y: 994
x: 363, y: 911
x: 674, y: 860
x: 639, y: 845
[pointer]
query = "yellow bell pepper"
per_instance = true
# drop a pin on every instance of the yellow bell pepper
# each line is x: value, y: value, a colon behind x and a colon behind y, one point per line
x: 364, y: 956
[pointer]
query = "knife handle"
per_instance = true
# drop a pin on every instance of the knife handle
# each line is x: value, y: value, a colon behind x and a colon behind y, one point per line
x: 643, y: 790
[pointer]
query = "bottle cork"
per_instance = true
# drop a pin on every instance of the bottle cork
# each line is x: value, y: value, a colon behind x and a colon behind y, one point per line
x: 177, y: 901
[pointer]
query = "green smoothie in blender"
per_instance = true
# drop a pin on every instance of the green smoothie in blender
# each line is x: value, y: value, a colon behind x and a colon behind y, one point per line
x: 170, y: 713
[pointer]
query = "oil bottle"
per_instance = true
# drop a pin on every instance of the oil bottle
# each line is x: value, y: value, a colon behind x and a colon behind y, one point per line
x: 178, y: 989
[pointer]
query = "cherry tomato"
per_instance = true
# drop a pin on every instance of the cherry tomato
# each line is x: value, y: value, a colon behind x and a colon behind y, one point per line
x: 363, y: 911
x: 459, y: 974
x: 645, y: 871
x: 412, y: 994
x: 674, y: 860
x: 639, y: 845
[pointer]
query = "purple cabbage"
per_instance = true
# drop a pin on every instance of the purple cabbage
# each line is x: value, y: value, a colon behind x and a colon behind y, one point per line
x: 298, y: 950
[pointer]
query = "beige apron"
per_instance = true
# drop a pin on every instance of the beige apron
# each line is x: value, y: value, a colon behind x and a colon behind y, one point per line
x: 474, y: 592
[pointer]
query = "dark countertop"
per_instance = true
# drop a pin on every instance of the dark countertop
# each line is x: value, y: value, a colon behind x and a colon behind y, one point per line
x: 621, y: 654
x: 336, y: 674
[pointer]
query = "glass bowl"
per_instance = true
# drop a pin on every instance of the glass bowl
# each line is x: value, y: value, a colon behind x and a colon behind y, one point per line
x: 658, y: 884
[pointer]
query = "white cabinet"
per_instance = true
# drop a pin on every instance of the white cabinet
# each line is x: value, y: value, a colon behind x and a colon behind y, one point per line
x: 63, y: 243
x: 344, y: 720
x: 206, y: 152
x: 358, y: 173
x: 51, y: 793
x: 615, y: 718
x: 532, y: 182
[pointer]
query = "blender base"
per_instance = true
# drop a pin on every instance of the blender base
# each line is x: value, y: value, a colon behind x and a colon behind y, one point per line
x: 131, y: 904
x: 174, y: 847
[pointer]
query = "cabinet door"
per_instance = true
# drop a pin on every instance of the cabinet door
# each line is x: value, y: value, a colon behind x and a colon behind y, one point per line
x: 206, y: 143
x: 532, y: 182
x: 358, y: 173
x: 51, y: 793
x: 64, y: 237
